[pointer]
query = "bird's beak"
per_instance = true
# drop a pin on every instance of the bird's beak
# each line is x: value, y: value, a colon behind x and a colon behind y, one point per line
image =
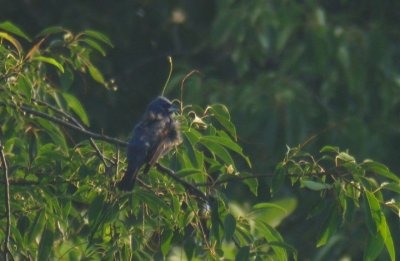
x: 173, y: 109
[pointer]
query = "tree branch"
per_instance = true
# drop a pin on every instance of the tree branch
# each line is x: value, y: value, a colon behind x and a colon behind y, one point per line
x: 7, y: 200
x: 66, y: 124
x: 169, y: 172
x: 77, y: 123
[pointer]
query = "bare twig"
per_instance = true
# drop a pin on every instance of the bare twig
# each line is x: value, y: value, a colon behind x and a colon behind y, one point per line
x: 66, y: 124
x: 7, y: 200
x: 169, y: 172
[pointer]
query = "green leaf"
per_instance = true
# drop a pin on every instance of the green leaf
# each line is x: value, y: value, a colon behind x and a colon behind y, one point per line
x: 229, y: 226
x: 375, y: 211
x: 313, y: 185
x: 77, y: 107
x: 330, y: 149
x: 287, y: 247
x: 46, y: 244
x: 95, y: 209
x: 12, y: 28
x: 346, y: 157
x: 23, y: 224
x: 24, y: 87
x: 54, y: 132
x: 251, y: 182
x: 67, y: 78
x: 49, y: 60
x: 380, y: 225
x: 374, y: 247
x: 330, y: 228
x: 228, y: 143
x: 187, y: 172
x: 273, y: 213
x: 51, y: 30
x: 221, y: 114
x: 264, y: 206
x: 219, y: 151
x: 94, y: 45
x: 392, y: 187
x: 96, y: 74
x: 243, y: 254
x: 12, y: 40
x: 272, y: 235
x: 166, y: 241
x: 380, y: 169
x: 99, y: 36
x: 37, y: 226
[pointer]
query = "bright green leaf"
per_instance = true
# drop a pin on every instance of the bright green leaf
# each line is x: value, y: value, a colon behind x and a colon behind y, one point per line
x: 99, y: 36
x: 95, y: 46
x: 380, y: 169
x: 96, y: 74
x: 49, y: 60
x: 77, y: 107
x: 12, y: 40
x: 313, y: 185
x: 166, y: 241
x: 228, y: 143
x: 37, y: 226
x: 12, y: 28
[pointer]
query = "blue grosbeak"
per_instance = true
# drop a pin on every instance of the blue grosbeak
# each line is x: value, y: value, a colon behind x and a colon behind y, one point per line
x: 155, y: 135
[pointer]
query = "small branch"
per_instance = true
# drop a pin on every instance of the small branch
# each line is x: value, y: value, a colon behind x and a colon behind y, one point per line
x: 7, y: 200
x: 169, y: 172
x: 67, y: 124
x: 235, y: 178
x: 78, y: 124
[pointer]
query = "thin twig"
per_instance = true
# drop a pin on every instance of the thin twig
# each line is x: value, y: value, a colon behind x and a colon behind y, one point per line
x: 195, y: 191
x: 77, y: 123
x: 235, y: 178
x: 7, y: 200
x: 72, y: 119
x: 67, y: 124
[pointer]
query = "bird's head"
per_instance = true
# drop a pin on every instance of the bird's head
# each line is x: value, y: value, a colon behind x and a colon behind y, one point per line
x: 161, y: 107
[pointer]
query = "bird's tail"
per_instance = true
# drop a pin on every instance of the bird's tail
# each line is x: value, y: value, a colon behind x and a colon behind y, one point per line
x: 128, y: 181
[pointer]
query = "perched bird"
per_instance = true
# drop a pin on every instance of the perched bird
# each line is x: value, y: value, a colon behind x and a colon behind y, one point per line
x: 155, y: 135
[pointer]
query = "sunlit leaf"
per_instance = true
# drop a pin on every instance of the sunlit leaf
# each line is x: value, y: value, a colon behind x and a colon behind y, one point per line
x: 94, y: 45
x: 166, y: 241
x: 37, y: 226
x: 99, y: 36
x: 380, y: 169
x: 313, y: 185
x: 77, y: 107
x: 12, y: 40
x: 12, y: 28
x: 226, y: 142
x: 96, y: 74
x: 49, y: 60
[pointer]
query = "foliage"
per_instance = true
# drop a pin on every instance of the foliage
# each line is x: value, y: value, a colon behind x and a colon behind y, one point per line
x: 63, y: 200
x: 346, y: 188
x: 64, y: 204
